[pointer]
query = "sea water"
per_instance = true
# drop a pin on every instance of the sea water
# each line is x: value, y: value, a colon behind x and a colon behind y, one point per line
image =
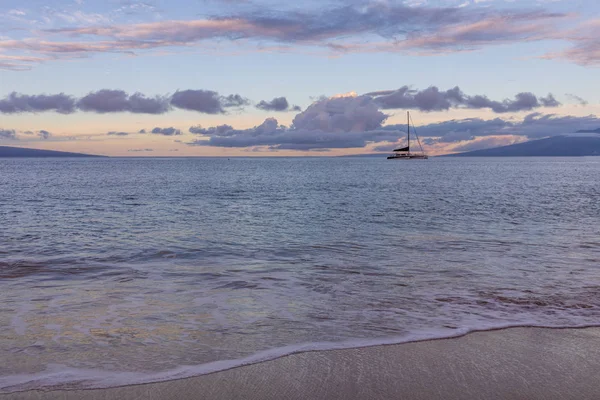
x: 121, y: 270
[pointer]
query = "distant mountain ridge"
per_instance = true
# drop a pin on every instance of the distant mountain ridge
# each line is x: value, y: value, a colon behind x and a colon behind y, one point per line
x: 557, y: 146
x: 14, y: 152
x: 589, y: 131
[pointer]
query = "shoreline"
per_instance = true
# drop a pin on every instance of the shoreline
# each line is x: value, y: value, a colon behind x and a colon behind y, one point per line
x: 515, y: 362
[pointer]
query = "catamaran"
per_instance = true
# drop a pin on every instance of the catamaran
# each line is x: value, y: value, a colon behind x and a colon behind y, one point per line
x: 403, y: 153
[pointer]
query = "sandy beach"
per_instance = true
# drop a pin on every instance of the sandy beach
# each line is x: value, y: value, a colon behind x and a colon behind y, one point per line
x: 514, y: 363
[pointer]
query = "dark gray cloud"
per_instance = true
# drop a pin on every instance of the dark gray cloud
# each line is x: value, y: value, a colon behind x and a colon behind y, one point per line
x: 277, y: 104
x: 456, y: 136
x: 166, y: 131
x: 8, y: 134
x: 522, y: 102
x: 549, y: 101
x: 140, y: 150
x: 113, y: 101
x: 109, y: 101
x: 206, y: 101
x: 468, y: 126
x: 356, y: 121
x: 534, y: 125
x: 538, y: 125
x: 433, y: 99
x: 20, y: 103
x: 578, y: 99
x: 210, y: 102
x: 142, y: 131
x: 339, y: 122
x: 115, y: 133
x: 44, y: 134
x: 220, y: 130
x: 295, y: 139
x: 234, y: 100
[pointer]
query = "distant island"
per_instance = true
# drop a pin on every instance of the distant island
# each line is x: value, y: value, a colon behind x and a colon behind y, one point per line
x: 14, y: 152
x: 557, y: 146
x: 365, y: 155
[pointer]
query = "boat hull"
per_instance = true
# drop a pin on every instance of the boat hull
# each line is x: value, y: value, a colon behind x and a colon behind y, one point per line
x: 408, y: 157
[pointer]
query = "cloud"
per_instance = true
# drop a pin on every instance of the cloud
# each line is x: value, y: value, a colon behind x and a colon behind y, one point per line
x: 234, y: 100
x: 469, y: 127
x: 486, y: 143
x: 16, y: 12
x: 356, y: 122
x: 341, y: 114
x: 578, y: 99
x: 44, y: 134
x: 385, y: 20
x: 491, y: 28
x: 283, y: 26
x: 8, y: 134
x: 111, y: 101
x: 19, y: 62
x: 133, y: 7
x: 337, y: 122
x: 352, y: 121
x: 108, y: 101
x: 221, y: 130
x: 375, y: 26
x: 522, y: 102
x: 166, y: 131
x: 115, y: 133
x: 278, y: 138
x: 456, y: 136
x: 19, y: 103
x: 277, y: 104
x: 585, y: 41
x: 432, y: 99
x: 140, y: 150
x: 75, y: 17
x: 206, y: 101
x: 538, y: 125
x: 533, y: 126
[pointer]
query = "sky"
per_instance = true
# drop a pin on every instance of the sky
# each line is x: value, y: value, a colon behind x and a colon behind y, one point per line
x: 311, y: 78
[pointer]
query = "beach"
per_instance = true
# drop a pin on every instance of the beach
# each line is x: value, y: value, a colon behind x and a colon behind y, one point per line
x: 513, y: 363
x: 246, y: 278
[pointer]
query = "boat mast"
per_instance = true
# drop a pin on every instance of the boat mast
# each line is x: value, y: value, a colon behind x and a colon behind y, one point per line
x: 408, y: 129
x: 418, y: 141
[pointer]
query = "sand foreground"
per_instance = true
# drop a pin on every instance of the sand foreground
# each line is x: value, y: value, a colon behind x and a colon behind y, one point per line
x: 514, y: 363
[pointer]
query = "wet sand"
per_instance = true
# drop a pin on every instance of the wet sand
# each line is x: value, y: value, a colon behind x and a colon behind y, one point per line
x: 514, y: 363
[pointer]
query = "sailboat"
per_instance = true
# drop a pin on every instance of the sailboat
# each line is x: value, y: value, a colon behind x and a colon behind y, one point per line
x: 403, y: 153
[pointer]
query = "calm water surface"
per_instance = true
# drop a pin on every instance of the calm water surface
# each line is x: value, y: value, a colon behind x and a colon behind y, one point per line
x: 115, y: 271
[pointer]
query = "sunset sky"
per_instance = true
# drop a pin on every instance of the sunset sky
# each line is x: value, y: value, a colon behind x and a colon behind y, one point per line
x: 263, y: 78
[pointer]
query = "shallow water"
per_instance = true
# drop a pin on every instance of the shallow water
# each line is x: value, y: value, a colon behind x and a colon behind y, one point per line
x: 130, y: 270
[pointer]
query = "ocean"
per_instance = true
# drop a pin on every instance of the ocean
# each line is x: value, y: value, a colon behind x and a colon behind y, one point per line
x: 122, y: 270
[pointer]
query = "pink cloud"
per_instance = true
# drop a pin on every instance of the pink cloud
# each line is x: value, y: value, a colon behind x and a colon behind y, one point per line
x: 339, y: 30
x: 585, y: 48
